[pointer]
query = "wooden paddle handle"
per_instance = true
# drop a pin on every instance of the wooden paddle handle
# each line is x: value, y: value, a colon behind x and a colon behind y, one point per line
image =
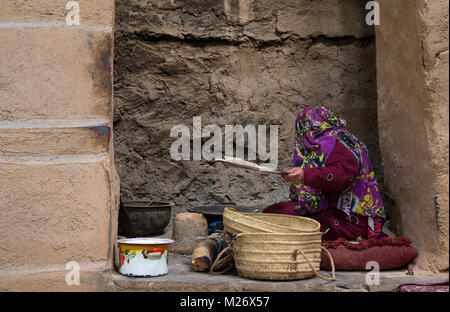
x: 204, y: 255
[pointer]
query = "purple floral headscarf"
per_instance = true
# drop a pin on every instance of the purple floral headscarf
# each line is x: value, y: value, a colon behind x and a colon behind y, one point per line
x: 316, y: 132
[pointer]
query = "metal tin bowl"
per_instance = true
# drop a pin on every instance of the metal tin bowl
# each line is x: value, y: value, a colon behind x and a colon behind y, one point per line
x: 147, y: 218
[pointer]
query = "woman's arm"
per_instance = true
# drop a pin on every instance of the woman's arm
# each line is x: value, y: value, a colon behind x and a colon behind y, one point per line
x: 338, y: 174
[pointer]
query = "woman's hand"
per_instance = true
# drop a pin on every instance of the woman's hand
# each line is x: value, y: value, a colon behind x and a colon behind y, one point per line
x: 294, y: 176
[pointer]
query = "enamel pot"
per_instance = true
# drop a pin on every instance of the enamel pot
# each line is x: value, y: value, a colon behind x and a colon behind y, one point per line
x: 143, y: 256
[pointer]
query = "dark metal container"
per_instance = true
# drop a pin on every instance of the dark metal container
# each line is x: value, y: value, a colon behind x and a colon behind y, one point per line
x: 146, y: 218
x: 213, y: 214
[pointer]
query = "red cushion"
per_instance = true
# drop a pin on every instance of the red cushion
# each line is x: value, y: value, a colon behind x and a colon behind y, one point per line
x: 390, y: 253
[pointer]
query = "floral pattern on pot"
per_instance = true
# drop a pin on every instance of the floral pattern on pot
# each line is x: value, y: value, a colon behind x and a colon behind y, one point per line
x: 126, y: 255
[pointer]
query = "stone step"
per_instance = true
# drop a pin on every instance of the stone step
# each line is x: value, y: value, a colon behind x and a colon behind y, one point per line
x: 182, y: 279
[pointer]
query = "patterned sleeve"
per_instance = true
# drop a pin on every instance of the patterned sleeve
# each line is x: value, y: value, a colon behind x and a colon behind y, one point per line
x: 338, y: 174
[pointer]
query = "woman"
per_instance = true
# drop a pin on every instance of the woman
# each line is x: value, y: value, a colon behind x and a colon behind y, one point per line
x: 332, y: 180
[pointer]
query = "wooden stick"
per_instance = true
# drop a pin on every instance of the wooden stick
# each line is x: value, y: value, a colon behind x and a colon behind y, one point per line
x: 204, y: 255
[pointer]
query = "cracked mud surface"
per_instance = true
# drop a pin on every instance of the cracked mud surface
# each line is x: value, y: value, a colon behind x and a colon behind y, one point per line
x: 233, y: 62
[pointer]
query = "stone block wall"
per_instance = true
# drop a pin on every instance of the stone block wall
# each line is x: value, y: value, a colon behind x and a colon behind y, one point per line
x: 58, y: 184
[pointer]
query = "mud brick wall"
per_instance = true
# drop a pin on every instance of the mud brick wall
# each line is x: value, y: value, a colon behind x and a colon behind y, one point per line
x: 58, y: 185
x: 233, y: 62
x: 413, y: 122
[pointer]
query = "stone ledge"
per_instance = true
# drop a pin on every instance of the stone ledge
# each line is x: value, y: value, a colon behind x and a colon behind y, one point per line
x: 182, y: 279
x: 55, y: 73
x: 65, y: 141
x: 62, y: 209
x: 53, y: 278
x: 99, y: 12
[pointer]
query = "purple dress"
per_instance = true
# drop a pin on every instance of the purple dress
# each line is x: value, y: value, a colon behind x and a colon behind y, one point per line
x: 339, y: 189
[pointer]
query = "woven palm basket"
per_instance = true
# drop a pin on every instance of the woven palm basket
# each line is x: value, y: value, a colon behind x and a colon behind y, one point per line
x: 279, y: 256
x: 235, y: 222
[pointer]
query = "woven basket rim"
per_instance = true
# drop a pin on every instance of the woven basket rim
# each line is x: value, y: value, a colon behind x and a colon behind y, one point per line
x: 250, y: 216
x: 279, y: 215
x: 278, y: 233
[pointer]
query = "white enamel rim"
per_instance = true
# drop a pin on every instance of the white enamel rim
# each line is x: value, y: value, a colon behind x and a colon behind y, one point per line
x: 145, y: 241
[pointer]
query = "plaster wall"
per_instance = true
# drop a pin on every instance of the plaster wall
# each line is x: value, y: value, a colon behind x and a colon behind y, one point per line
x: 58, y: 184
x: 413, y: 104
